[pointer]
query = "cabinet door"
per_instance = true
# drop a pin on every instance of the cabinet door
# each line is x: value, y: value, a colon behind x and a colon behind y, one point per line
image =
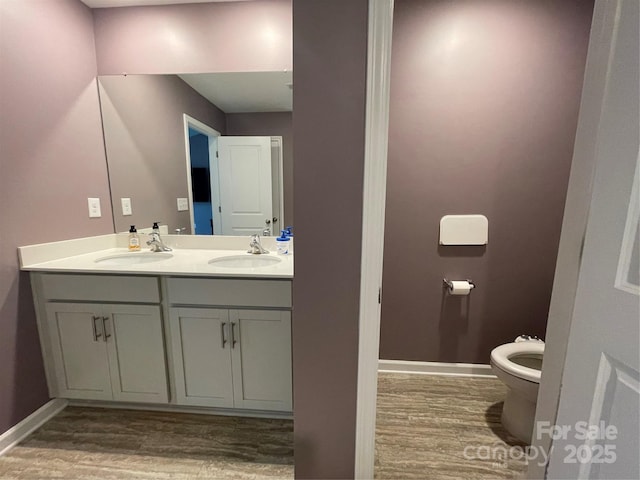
x: 135, y: 343
x: 261, y: 359
x: 79, y: 351
x: 202, y: 356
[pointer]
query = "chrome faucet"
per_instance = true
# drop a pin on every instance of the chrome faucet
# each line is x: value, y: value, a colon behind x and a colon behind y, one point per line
x: 156, y: 243
x: 255, y: 246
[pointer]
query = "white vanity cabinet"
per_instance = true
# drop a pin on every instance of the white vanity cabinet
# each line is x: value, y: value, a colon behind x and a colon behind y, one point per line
x: 231, y: 342
x: 173, y: 340
x: 98, y: 350
x: 108, y: 352
x: 201, y: 357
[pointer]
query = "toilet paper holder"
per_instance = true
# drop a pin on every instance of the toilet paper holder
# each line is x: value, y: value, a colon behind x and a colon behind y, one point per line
x: 449, y: 285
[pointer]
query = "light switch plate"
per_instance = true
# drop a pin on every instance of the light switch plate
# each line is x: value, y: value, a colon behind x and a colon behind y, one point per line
x: 183, y: 204
x: 126, y: 206
x: 94, y: 208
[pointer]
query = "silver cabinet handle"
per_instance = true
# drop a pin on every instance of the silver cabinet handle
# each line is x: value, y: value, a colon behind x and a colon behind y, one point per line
x: 233, y: 335
x: 96, y: 334
x: 224, y: 340
x: 104, y: 328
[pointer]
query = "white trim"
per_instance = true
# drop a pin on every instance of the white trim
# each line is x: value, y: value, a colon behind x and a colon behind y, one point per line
x: 22, y: 430
x: 165, y: 407
x: 214, y: 181
x: 373, y: 210
x: 629, y: 238
x: 277, y: 139
x: 189, y: 121
x: 436, y: 368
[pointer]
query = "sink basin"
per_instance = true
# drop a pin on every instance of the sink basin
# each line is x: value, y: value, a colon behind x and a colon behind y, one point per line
x: 245, y: 261
x: 133, y: 258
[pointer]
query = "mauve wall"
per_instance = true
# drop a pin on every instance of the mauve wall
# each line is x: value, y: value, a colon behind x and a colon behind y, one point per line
x: 51, y: 160
x: 247, y: 36
x: 273, y: 124
x: 330, y: 55
x: 144, y: 139
x: 484, y: 105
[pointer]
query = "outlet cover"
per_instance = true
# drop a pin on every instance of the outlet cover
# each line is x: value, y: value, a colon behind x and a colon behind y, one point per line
x: 94, y: 208
x: 183, y: 204
x: 126, y: 206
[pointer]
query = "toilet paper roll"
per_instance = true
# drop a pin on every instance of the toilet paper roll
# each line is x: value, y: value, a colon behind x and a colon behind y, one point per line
x: 460, y: 287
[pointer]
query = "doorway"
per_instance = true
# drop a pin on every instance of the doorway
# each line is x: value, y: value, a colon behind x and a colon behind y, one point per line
x: 366, y: 324
x: 201, y: 146
x: 235, y: 182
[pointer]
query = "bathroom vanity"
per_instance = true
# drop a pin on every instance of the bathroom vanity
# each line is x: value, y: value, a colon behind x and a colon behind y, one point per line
x: 195, y: 328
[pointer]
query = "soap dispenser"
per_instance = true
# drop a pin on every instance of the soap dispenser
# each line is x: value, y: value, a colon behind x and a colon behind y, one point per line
x: 282, y: 243
x: 134, y: 240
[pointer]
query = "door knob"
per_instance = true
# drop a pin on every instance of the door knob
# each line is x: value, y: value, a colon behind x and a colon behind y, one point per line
x: 267, y: 221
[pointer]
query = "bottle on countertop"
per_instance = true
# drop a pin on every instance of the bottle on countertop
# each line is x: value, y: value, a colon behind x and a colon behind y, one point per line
x: 282, y: 243
x: 134, y: 239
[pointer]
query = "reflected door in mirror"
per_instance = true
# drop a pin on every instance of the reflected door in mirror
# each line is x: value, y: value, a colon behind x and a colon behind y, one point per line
x: 245, y: 184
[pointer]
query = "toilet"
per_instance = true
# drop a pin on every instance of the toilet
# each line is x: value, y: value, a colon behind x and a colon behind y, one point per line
x: 518, y: 365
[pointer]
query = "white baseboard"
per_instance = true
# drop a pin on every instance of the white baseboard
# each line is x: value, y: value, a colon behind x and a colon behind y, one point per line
x: 160, y: 407
x: 19, y: 432
x: 436, y: 368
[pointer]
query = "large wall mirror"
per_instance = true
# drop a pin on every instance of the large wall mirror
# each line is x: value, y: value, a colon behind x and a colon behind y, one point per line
x: 201, y: 153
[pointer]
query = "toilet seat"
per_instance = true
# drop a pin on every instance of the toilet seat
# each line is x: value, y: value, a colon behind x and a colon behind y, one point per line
x: 501, y: 358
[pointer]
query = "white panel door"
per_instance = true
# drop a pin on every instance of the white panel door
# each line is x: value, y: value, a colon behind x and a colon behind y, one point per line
x: 244, y: 166
x: 601, y: 380
x: 133, y: 334
x: 79, y: 351
x: 261, y: 341
x: 201, y: 348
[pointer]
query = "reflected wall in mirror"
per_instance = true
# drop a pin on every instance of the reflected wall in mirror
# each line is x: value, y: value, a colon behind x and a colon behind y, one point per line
x: 167, y: 148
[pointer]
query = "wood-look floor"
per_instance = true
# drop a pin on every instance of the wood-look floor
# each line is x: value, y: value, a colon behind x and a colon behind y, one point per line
x: 87, y: 443
x: 424, y: 424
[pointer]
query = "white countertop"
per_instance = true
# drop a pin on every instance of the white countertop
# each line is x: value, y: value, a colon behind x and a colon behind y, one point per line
x: 186, y: 261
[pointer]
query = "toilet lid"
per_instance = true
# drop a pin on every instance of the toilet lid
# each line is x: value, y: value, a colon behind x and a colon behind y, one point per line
x: 501, y: 358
